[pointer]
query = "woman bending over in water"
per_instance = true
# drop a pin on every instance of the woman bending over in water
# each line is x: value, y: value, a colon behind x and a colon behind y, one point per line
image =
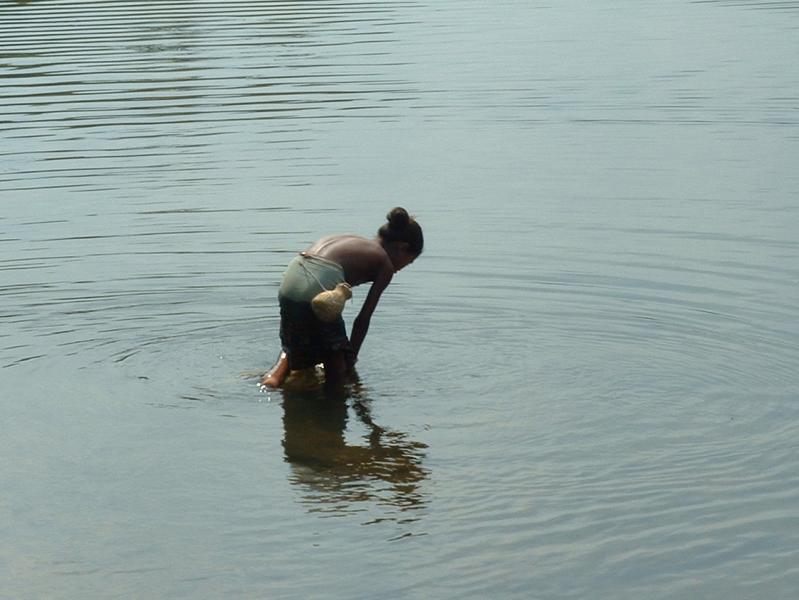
x: 351, y: 259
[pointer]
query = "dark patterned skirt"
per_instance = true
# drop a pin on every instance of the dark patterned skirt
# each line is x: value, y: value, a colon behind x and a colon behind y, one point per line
x: 306, y: 340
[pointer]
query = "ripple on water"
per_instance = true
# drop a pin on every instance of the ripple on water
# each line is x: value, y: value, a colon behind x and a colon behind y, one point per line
x: 586, y: 386
x: 135, y: 97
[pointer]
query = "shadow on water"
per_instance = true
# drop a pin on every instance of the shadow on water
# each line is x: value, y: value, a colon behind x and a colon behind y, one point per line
x: 344, y: 464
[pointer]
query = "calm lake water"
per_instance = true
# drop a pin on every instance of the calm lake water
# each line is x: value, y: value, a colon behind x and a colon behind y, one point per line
x: 586, y: 387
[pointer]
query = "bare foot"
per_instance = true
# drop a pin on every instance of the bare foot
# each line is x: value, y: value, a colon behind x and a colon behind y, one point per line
x: 277, y: 374
x: 270, y: 380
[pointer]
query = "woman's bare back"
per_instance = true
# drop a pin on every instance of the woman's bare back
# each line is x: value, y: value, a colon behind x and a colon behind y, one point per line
x: 362, y: 259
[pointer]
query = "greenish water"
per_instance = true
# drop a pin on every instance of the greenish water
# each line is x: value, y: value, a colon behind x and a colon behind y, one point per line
x: 586, y: 387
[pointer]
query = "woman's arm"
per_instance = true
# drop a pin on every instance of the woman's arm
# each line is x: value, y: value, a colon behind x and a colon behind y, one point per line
x: 361, y: 323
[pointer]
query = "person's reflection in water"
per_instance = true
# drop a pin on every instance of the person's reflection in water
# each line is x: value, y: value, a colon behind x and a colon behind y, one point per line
x: 384, y: 468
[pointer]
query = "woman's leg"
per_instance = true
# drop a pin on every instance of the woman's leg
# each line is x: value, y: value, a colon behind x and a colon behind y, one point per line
x: 277, y: 374
x: 336, y: 367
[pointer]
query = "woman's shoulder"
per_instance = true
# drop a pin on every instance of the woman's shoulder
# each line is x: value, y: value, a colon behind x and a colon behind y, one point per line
x: 362, y: 259
x: 346, y: 244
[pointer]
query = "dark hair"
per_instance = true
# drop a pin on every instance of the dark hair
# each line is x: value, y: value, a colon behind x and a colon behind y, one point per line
x: 402, y: 227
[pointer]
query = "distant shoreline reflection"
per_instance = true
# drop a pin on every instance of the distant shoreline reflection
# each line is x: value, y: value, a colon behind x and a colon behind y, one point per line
x: 382, y: 467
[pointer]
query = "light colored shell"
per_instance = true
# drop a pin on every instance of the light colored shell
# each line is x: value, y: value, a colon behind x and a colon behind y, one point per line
x: 327, y: 306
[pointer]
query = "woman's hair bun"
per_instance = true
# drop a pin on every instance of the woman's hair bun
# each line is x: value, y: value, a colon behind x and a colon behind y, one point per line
x: 401, y: 227
x: 398, y: 218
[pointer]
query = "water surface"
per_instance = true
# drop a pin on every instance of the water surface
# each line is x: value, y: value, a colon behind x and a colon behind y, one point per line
x: 586, y: 387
